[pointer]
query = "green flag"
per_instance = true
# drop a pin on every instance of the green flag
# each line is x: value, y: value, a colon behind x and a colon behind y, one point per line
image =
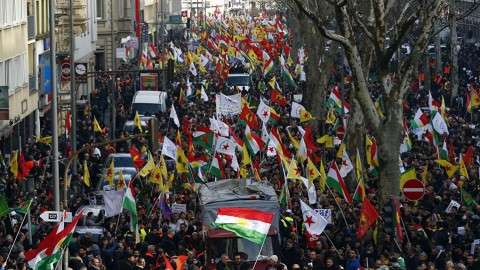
x: 3, y: 206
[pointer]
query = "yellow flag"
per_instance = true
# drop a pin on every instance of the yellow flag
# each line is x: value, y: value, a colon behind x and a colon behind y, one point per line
x: 293, y: 140
x: 14, y: 163
x: 331, y: 118
x: 245, y: 157
x: 463, y: 168
x: 425, y: 174
x: 378, y: 108
x: 327, y: 140
x: 341, y: 150
x: 273, y: 82
x: 149, y: 167
x: 156, y: 176
x: 163, y: 167
x: 109, y: 174
x: 407, y: 175
x: 96, y: 126
x: 305, y: 116
x: 86, y: 174
x: 138, y: 122
x: 322, y: 180
x: 312, y: 171
x: 360, y: 192
x: 182, y: 161
x: 45, y: 140
x: 449, y: 167
x: 293, y: 170
x: 121, y: 181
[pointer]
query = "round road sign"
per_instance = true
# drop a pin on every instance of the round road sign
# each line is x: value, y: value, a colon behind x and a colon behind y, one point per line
x: 413, y: 189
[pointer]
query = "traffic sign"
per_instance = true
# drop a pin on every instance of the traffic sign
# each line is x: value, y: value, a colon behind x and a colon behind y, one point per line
x: 55, y: 216
x: 413, y: 189
x: 65, y: 69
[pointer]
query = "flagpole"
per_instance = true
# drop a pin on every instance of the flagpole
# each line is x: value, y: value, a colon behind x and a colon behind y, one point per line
x: 338, y: 205
x: 405, y: 228
x: 16, y: 236
x: 333, y: 245
x: 260, y: 251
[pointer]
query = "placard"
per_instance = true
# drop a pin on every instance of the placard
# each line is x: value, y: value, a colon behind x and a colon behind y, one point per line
x: 178, y: 208
x: 326, y: 213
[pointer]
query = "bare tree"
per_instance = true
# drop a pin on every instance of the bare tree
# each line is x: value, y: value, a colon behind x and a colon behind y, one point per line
x: 379, y: 27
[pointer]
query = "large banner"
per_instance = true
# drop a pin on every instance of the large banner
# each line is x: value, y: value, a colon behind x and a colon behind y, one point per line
x: 149, y: 81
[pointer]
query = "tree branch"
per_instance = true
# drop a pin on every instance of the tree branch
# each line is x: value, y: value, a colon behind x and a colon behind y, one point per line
x: 320, y: 25
x: 408, y: 67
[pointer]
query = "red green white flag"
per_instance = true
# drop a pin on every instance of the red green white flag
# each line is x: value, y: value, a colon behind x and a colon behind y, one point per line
x: 50, y: 249
x: 335, y: 181
x: 246, y: 223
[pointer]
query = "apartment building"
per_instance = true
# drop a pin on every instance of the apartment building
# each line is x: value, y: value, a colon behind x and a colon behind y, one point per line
x: 115, y: 20
x: 161, y: 13
x: 19, y: 102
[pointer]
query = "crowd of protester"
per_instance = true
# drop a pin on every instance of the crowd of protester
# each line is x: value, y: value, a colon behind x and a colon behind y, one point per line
x: 433, y: 238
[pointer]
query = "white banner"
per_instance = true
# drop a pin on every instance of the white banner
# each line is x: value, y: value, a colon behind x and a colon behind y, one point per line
x: 228, y: 105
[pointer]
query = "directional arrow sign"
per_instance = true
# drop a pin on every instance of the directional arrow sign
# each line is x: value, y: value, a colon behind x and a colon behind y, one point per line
x: 55, y: 216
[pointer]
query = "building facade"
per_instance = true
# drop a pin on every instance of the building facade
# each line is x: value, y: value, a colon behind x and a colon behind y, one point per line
x: 115, y: 20
x: 20, y: 100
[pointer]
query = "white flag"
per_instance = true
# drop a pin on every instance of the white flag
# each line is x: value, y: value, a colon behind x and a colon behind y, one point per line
x: 263, y: 111
x: 302, y: 150
x: 225, y: 146
x: 235, y: 166
x: 174, y: 116
x: 228, y: 105
x: 271, y: 151
x: 347, y: 165
x: 297, y: 108
x: 439, y: 124
x: 112, y: 200
x: 219, y: 127
x: 203, y: 94
x: 314, y: 222
x: 189, y: 88
x: 311, y: 190
x: 193, y: 69
x: 169, y: 149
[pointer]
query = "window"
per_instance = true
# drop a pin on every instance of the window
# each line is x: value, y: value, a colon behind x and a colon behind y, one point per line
x: 14, y: 73
x: 101, y: 9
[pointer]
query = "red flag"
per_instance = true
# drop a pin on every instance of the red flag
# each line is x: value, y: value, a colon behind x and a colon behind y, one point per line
x: 277, y: 98
x: 168, y: 265
x: 180, y: 262
x: 398, y: 221
x: 249, y: 117
x: 468, y: 156
x: 368, y: 216
x: 21, y: 166
x: 68, y: 124
x: 135, y: 154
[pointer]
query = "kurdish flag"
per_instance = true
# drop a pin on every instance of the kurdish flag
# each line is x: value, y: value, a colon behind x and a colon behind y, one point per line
x: 335, y: 98
x: 50, y: 249
x: 130, y: 204
x: 246, y: 223
x: 335, y: 181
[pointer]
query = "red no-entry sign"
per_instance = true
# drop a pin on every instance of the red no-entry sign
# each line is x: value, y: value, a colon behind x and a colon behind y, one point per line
x: 413, y: 189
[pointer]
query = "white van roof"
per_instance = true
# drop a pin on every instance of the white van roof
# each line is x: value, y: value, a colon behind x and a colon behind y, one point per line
x: 149, y: 97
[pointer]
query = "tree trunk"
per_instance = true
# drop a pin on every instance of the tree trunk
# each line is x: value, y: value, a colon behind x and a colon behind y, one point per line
x: 453, y: 49
x: 388, y: 139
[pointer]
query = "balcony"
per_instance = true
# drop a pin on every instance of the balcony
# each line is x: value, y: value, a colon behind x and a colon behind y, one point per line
x: 31, y: 27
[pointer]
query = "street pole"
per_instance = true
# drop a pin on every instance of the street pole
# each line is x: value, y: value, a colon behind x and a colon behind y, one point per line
x: 112, y: 37
x: 73, y: 92
x: 53, y: 61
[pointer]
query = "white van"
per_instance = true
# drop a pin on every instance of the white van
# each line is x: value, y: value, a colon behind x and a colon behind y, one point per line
x: 147, y: 103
